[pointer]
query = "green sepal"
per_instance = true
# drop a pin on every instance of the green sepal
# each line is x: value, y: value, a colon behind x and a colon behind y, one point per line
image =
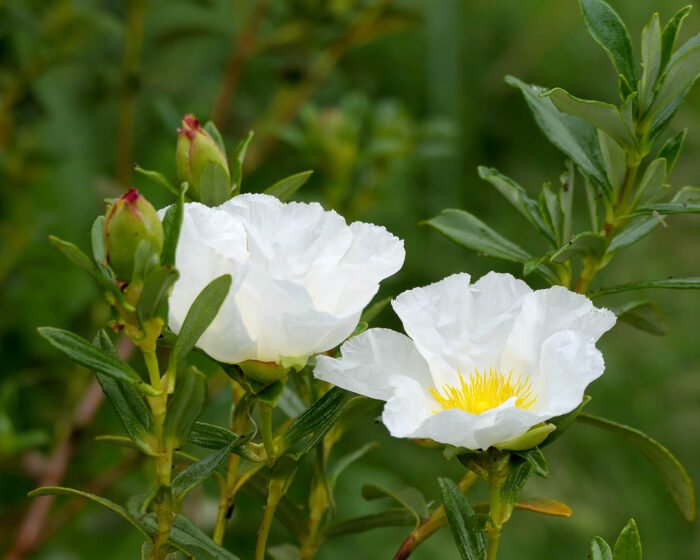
x: 532, y: 438
x: 264, y: 373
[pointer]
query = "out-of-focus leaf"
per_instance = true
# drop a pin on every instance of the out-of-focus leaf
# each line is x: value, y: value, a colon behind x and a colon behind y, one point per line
x: 348, y: 459
x: 643, y: 315
x: 202, y: 312
x: 672, y: 472
x: 284, y: 189
x: 284, y: 552
x: 390, y: 518
x: 573, y: 136
x: 545, y: 506
x: 679, y: 77
x: 610, y: 32
x: 210, y: 127
x: 104, y: 502
x: 74, y: 255
x: 669, y: 283
x: 88, y: 355
x: 603, y: 116
x: 191, y: 540
x: 628, y: 546
x: 97, y: 240
x: 157, y: 178
x: 373, y: 311
x: 672, y: 149
x: 410, y: 498
x: 470, y: 543
x: 600, y: 550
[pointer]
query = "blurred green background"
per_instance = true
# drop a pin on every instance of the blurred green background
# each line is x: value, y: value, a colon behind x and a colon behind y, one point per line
x: 393, y: 104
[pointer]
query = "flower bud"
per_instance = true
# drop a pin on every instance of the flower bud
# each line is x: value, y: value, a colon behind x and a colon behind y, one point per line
x: 130, y: 221
x: 195, y: 150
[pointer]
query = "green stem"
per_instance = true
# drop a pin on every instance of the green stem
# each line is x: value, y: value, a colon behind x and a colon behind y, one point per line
x: 275, y: 493
x: 266, y: 429
x: 497, y: 472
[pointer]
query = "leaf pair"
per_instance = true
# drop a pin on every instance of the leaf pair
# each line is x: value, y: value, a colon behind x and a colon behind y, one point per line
x: 627, y: 547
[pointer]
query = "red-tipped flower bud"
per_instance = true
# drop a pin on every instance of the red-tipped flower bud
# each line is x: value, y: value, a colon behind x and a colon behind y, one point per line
x: 196, y: 150
x: 131, y: 223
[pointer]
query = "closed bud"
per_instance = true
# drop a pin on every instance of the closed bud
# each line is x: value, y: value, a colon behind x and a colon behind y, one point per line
x: 197, y: 150
x: 133, y: 233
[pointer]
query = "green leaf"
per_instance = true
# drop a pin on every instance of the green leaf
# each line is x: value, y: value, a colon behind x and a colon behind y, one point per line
x: 536, y: 459
x: 672, y: 149
x: 348, y: 459
x: 197, y: 473
x: 191, y: 540
x: 237, y: 165
x: 156, y: 291
x: 97, y: 240
x: 284, y: 189
x: 670, y: 33
x: 609, y: 31
x: 390, y: 518
x: 127, y: 402
x: 214, y: 185
x: 573, y: 136
x: 603, y: 116
x: 116, y: 508
x: 517, y: 196
x: 600, y: 550
x: 210, y: 127
x: 471, y: 544
x: 210, y: 436
x: 157, y: 178
x: 643, y: 315
x: 410, y: 498
x: 566, y: 198
x: 668, y: 208
x: 679, y: 77
x: 520, y: 472
x: 651, y: 185
x: 74, y: 255
x: 615, y: 159
x: 310, y: 426
x: 467, y: 230
x: 202, y: 312
x: 586, y: 244
x: 672, y: 472
x: 87, y: 355
x: 634, y: 231
x: 651, y: 60
x: 373, y: 311
x: 669, y: 284
x: 628, y: 546
x: 172, y: 224
x: 185, y: 406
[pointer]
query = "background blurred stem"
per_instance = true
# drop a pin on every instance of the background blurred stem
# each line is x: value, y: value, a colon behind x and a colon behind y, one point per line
x: 431, y: 524
x: 135, y: 16
x: 243, y: 50
x: 276, y: 489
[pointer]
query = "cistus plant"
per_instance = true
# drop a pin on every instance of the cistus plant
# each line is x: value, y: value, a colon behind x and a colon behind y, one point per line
x: 273, y: 297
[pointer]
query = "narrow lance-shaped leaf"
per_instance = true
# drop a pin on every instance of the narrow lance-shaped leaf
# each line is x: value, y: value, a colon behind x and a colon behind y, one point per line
x: 600, y: 550
x: 672, y: 149
x: 470, y: 543
x: 237, y: 164
x: 670, y: 33
x: 572, y: 135
x: 202, y: 312
x: 388, y: 518
x: 516, y: 195
x: 104, y: 502
x: 88, y: 355
x: 651, y: 60
x: 410, y: 498
x: 156, y: 290
x: 172, y: 224
x: 157, y: 178
x: 601, y: 115
x: 643, y: 315
x: 673, y: 474
x: 285, y: 188
x: 609, y: 31
x: 97, y: 240
x: 682, y: 71
x: 185, y: 406
x: 669, y: 284
x: 197, y: 473
x: 127, y: 401
x: 586, y: 244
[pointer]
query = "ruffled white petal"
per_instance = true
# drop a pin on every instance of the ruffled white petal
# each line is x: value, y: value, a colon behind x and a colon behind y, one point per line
x: 301, y: 275
x: 370, y: 360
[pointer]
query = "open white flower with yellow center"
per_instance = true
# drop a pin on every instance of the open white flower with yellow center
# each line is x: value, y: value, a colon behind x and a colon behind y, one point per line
x: 301, y: 276
x: 485, y: 362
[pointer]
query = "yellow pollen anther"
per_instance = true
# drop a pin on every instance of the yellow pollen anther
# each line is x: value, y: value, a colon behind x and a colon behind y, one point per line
x: 484, y: 391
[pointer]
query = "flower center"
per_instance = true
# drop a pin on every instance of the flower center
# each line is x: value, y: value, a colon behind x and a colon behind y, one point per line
x: 484, y: 391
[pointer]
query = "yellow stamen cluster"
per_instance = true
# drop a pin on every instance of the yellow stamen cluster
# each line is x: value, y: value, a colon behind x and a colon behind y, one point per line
x: 484, y: 391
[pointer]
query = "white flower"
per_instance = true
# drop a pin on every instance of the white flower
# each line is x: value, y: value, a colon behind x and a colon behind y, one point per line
x: 484, y: 362
x: 301, y: 276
